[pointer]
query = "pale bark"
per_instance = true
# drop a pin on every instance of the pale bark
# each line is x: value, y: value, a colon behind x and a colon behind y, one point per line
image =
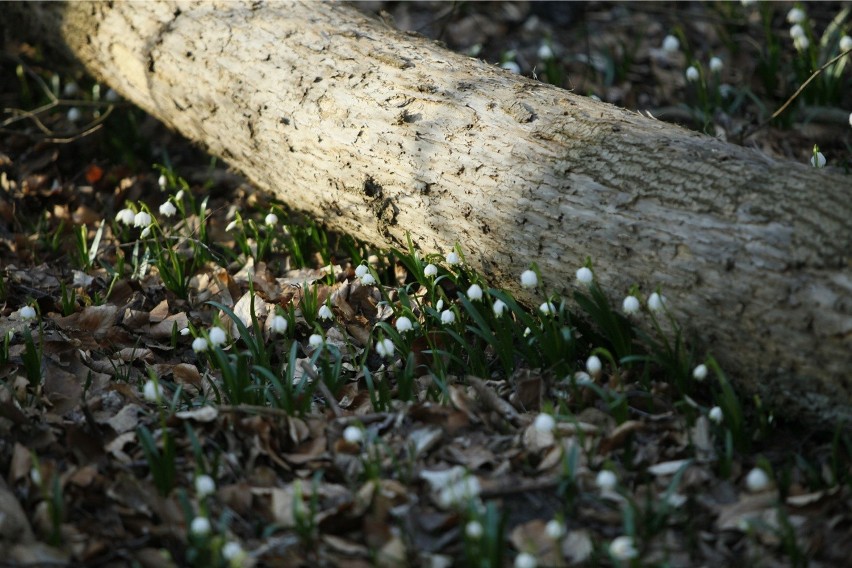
x: 377, y: 133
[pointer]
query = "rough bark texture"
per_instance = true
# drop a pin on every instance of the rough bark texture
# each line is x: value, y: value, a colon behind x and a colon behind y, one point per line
x: 376, y: 133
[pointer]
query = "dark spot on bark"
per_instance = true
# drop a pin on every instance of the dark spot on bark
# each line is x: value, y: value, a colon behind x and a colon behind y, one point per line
x: 292, y: 150
x: 730, y: 264
x: 188, y: 54
x: 485, y: 229
x: 268, y: 57
x: 463, y: 86
x: 372, y: 189
x: 176, y: 13
x: 285, y: 121
x: 616, y: 128
x: 317, y: 79
x: 410, y: 117
x: 466, y: 210
x: 150, y: 63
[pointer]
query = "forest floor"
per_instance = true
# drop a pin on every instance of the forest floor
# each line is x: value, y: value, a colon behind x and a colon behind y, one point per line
x: 132, y: 434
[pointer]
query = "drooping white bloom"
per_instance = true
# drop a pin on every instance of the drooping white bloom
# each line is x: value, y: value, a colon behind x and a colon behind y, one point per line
x: 547, y: 308
x: 217, y: 336
x: 544, y: 422
x: 757, y: 480
x: 845, y: 43
x: 315, y: 340
x: 204, y: 485
x: 74, y: 114
x: 499, y: 308
x: 474, y: 292
x: 168, y: 209
x: 818, y: 161
x: 474, y: 530
x: 279, y: 324
x: 453, y: 258
x: 448, y: 317
x: 28, y: 313
x: 152, y: 391
x: 232, y: 551
x: 385, y: 348
x: 111, y: 96
x: 179, y: 195
x: 554, y: 529
x: 630, y: 305
x: 606, y: 480
x: 430, y: 270
x: 525, y: 560
x: 199, y: 344
x: 585, y: 276
x: 232, y: 225
x: 70, y: 89
x: 368, y: 279
x: 850, y: 119
x: 656, y: 302
x: 361, y: 270
x: 699, y: 373
x: 126, y: 216
x: 582, y: 378
x: 35, y: 475
x: 141, y: 219
x: 145, y: 232
x: 271, y: 219
x: 511, y: 66
x: 200, y: 526
x: 801, y: 43
x: 692, y: 74
x: 622, y: 548
x: 529, y: 279
x: 671, y: 44
x: 353, y: 434
x: 403, y: 324
x: 797, y: 32
x: 185, y: 331
x: 527, y: 331
x: 796, y: 16
x: 594, y: 365
x: 715, y: 415
x: 325, y: 312
x: 162, y: 181
x: 545, y: 52
x: 716, y: 64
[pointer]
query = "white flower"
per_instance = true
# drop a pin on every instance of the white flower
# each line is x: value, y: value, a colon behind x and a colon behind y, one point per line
x: 361, y: 270
x: 850, y: 119
x: 185, y: 331
x: 200, y: 526
x: 145, y: 232
x: 368, y: 280
x: 845, y: 43
x: 70, y: 89
x: 757, y: 480
x: 801, y: 43
x: 473, y: 530
x: 111, y: 96
x: 152, y: 391
x: 315, y: 341
x: 818, y: 161
x: 403, y: 324
x: 28, y: 313
x: 529, y: 279
x: 168, y: 209
x: 453, y: 258
x: 448, y: 317
x: 199, y: 344
x: 692, y: 74
x: 279, y: 324
x: 511, y: 66
x: 353, y: 434
x: 547, y: 308
x: 622, y: 548
x: 796, y: 16
x: 585, y: 276
x: 204, y: 485
x: 271, y: 219
x: 716, y: 64
x: 141, y: 219
x: 797, y: 32
x: 594, y: 365
x: 630, y: 305
x: 716, y: 415
x: 179, y: 195
x: 527, y: 331
x: 554, y: 529
x: 74, y: 114
x: 474, y: 292
x: 35, y: 475
x: 232, y: 225
x: 499, y: 308
x: 671, y: 44
x: 656, y: 302
x: 325, y: 312
x: 126, y: 216
x: 430, y: 270
x: 582, y: 378
x: 217, y: 336
x: 544, y: 422
x: 699, y: 373
x: 545, y: 52
x: 606, y: 480
x: 385, y: 348
x: 525, y: 560
x: 162, y: 181
x: 439, y: 305
x: 232, y: 552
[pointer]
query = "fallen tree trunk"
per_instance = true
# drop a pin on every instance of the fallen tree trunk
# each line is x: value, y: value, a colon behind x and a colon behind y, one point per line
x: 377, y: 133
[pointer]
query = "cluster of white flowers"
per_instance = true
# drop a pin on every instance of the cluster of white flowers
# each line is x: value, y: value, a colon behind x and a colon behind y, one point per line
x: 364, y: 275
x: 796, y: 17
x: 385, y: 348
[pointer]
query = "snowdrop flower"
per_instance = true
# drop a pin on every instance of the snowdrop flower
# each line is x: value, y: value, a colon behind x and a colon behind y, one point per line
x: 715, y: 415
x: 630, y: 305
x: 279, y: 324
x: 162, y: 181
x: 231, y: 226
x: 448, y: 317
x: 125, y: 217
x: 385, y: 348
x: 544, y: 422
x: 525, y: 560
x: 453, y: 258
x: 622, y: 548
x: 35, y: 475
x: 145, y: 232
x: 757, y: 480
x: 671, y: 44
x: 439, y: 305
x: 818, y: 161
x: 70, y: 89
x: 111, y: 96
x: 217, y: 336
x: 179, y: 195
x: 474, y: 293
x: 511, y: 66
x: 233, y: 553
x: 547, y: 308
x: 271, y: 219
x: 656, y: 302
x: 801, y: 43
x: 585, y: 276
x: 430, y: 270
x: 353, y: 434
x: 692, y: 74
x: 325, y: 312
x: 797, y: 32
x: 606, y: 480
x: 474, y: 530
x: 152, y: 391
x: 199, y: 344
x: 594, y: 365
x: 200, y: 526
x: 141, y: 219
x: 545, y: 52
x: 368, y: 280
x: 699, y: 373
x: 499, y: 308
x: 403, y: 324
x: 28, y: 313
x: 850, y: 119
x: 74, y: 114
x: 845, y: 43
x: 582, y: 378
x: 529, y: 279
x: 168, y: 209
x: 315, y: 341
x: 554, y: 529
x: 204, y: 485
x: 716, y: 64
x: 796, y: 16
x: 361, y: 270
x: 185, y: 331
x: 527, y: 331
